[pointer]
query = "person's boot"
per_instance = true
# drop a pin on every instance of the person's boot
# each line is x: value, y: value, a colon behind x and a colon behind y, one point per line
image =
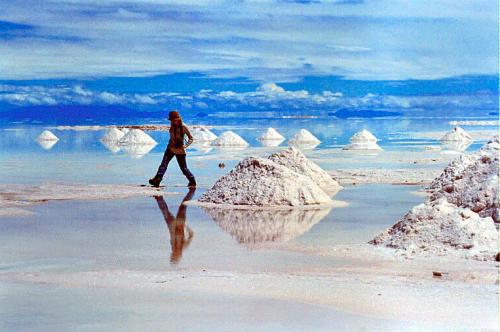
x: 192, y: 183
x: 155, y: 181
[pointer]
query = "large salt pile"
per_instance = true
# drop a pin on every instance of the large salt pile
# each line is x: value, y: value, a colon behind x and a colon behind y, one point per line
x: 457, y: 134
x: 230, y: 139
x: 363, y: 140
x: 137, y: 151
x: 459, y: 214
x: 125, y: 130
x: 47, y: 135
x: 472, y: 181
x: 203, y: 134
x: 271, y: 134
x: 262, y: 182
x: 295, y: 160
x: 441, y: 228
x: 258, y: 228
x: 137, y: 136
x: 112, y: 135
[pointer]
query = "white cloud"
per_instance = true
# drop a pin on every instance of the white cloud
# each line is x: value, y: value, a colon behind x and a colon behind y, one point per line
x: 267, y: 40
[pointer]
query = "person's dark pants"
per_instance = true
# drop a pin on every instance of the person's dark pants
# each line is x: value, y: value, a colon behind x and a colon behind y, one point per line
x: 181, y: 160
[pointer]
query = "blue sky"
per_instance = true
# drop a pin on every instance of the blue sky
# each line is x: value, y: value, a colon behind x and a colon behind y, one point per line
x: 352, y: 47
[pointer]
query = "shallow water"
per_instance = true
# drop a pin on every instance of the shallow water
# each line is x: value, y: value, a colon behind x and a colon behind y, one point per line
x: 136, y: 234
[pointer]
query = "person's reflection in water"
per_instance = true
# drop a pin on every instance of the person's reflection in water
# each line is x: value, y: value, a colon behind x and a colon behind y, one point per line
x: 177, y: 227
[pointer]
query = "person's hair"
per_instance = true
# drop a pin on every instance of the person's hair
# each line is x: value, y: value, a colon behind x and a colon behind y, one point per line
x: 175, y: 118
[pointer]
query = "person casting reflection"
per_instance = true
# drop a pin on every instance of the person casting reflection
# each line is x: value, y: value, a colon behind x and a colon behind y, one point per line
x: 176, y: 147
x: 177, y: 226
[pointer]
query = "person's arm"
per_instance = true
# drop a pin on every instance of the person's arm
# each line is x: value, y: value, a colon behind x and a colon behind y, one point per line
x: 190, y: 137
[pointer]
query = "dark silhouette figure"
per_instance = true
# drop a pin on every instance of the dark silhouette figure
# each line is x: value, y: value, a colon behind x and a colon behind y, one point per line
x: 177, y: 226
x: 176, y: 147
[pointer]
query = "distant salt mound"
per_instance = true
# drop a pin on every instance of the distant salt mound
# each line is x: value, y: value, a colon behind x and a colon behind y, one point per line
x: 262, y: 182
x: 230, y: 139
x: 47, y: 135
x: 295, y: 160
x: 363, y: 140
x: 457, y: 134
x: 203, y: 134
x: 459, y: 214
x: 112, y: 135
x: 472, y: 181
x: 304, y: 137
x: 137, y: 136
x: 442, y: 228
x: 271, y: 134
x: 264, y: 228
x: 125, y: 130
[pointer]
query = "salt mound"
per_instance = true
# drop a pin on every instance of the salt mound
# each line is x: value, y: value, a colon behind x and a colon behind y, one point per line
x: 203, y: 134
x: 472, y: 181
x: 229, y: 138
x: 455, y: 146
x: 271, y: 134
x: 304, y: 137
x: 460, y: 212
x: 137, y: 151
x: 112, y: 135
x: 114, y: 147
x: 137, y: 136
x: 457, y: 134
x: 295, y: 160
x: 363, y: 140
x: 47, y: 135
x: 440, y: 227
x: 262, y: 182
x: 125, y: 130
x: 257, y: 228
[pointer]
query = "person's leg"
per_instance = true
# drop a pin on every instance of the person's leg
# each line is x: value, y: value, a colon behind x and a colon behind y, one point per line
x: 181, y: 160
x: 167, y: 156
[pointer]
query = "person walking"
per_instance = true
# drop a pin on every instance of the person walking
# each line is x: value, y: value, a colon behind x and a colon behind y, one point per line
x: 176, y: 147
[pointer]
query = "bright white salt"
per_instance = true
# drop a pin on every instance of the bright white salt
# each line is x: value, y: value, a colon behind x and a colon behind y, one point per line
x: 295, y: 160
x: 203, y: 134
x: 112, y: 135
x: 263, y: 182
x: 47, y: 135
x: 457, y: 134
x: 363, y: 140
x: 125, y: 130
x: 459, y: 214
x: 137, y: 136
x: 304, y: 137
x: 442, y: 228
x: 229, y: 138
x: 271, y: 134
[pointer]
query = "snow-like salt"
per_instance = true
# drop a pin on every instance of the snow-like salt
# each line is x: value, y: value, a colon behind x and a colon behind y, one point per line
x: 229, y: 138
x: 271, y: 134
x: 363, y: 140
x: 263, y: 182
x: 295, y: 160
x: 442, y: 228
x: 471, y: 181
x: 137, y: 136
x: 257, y: 228
x: 303, y: 136
x: 203, y: 134
x: 125, y: 130
x: 457, y: 134
x: 137, y: 151
x: 112, y: 135
x: 459, y: 214
x: 47, y: 135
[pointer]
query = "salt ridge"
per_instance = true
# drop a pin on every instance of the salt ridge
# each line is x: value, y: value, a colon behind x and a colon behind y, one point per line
x: 229, y: 138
